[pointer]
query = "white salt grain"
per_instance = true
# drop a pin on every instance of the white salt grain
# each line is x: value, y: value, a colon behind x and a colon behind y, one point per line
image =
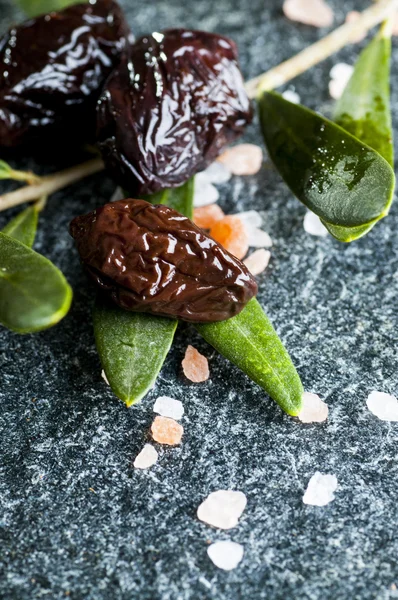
x: 320, y: 489
x: 117, y: 195
x: 384, y: 406
x: 258, y: 261
x: 225, y: 555
x: 104, y: 377
x: 291, y: 96
x: 146, y: 458
x: 222, y: 509
x: 309, y: 12
x: 313, y: 225
x: 217, y: 173
x: 259, y: 238
x: 340, y: 75
x: 251, y: 219
x: 169, y: 407
x: 205, y: 193
x: 243, y: 159
x: 314, y: 409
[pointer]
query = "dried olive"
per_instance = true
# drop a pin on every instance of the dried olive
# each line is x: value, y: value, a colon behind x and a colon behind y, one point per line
x: 170, y: 107
x: 150, y: 258
x: 52, y: 69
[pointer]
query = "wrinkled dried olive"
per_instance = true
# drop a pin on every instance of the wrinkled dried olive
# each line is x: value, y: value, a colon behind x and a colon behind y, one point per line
x: 52, y: 69
x: 170, y: 107
x: 152, y: 259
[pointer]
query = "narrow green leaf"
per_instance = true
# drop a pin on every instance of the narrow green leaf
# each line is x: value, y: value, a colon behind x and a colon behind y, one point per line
x: 132, y: 348
x: 34, y: 8
x: 181, y: 198
x: 34, y: 294
x: 23, y: 227
x: 364, y: 108
x: 251, y: 343
x: 341, y: 179
x: 7, y: 172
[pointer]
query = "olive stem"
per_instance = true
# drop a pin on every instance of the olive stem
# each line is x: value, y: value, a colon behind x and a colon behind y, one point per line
x: 50, y: 184
x: 322, y: 49
x: 274, y: 78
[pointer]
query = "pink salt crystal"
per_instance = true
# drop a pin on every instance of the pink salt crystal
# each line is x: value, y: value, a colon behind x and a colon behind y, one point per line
x: 206, y: 216
x: 244, y: 159
x: 351, y: 17
x: 314, y: 409
x: 166, y: 431
x: 195, y: 366
x: 309, y: 12
x: 258, y: 261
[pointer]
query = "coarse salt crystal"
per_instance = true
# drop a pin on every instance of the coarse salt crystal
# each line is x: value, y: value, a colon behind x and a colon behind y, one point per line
x: 146, y: 458
x: 291, y: 96
x: 309, y: 12
x: 232, y: 234
x: 340, y: 76
x: 217, y: 173
x: 204, y: 193
x: 314, y: 410
x: 259, y: 238
x: 382, y: 405
x: 166, y: 431
x: 313, y: 225
x: 251, y: 219
x: 169, y: 407
x: 225, y: 555
x: 206, y: 216
x: 104, y: 377
x: 222, y: 509
x: 258, y: 261
x: 195, y: 365
x: 117, y: 195
x: 244, y: 159
x: 320, y: 489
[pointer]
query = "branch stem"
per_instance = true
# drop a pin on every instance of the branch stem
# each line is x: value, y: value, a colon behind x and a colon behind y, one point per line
x: 50, y: 184
x: 274, y: 78
x: 321, y: 50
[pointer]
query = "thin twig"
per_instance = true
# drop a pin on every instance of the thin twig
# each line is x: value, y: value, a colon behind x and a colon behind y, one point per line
x: 272, y: 79
x: 50, y: 184
x: 321, y: 50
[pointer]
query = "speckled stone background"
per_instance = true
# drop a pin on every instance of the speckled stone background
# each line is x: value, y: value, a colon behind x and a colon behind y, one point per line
x: 77, y: 521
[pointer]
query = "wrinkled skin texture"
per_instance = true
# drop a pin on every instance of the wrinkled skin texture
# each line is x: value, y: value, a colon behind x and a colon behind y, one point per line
x: 52, y: 69
x: 173, y: 104
x: 150, y: 258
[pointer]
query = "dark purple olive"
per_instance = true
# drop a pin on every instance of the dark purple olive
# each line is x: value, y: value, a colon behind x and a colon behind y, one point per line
x: 52, y: 69
x: 172, y: 105
x: 150, y: 258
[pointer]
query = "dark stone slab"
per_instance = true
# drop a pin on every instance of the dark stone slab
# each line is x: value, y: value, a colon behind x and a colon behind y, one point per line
x: 76, y: 520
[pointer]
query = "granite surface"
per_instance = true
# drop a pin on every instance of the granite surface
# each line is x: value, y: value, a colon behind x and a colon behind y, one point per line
x: 77, y: 521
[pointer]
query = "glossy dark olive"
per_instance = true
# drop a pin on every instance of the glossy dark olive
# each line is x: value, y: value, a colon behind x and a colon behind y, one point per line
x: 175, y: 101
x: 52, y: 69
x: 152, y: 259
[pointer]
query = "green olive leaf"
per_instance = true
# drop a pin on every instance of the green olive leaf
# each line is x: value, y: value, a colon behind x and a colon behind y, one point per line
x: 364, y: 108
x: 34, y: 8
x: 34, y: 294
x: 23, y: 227
x: 181, y: 198
x: 346, y: 183
x: 7, y: 172
x: 133, y: 346
x: 250, y: 342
